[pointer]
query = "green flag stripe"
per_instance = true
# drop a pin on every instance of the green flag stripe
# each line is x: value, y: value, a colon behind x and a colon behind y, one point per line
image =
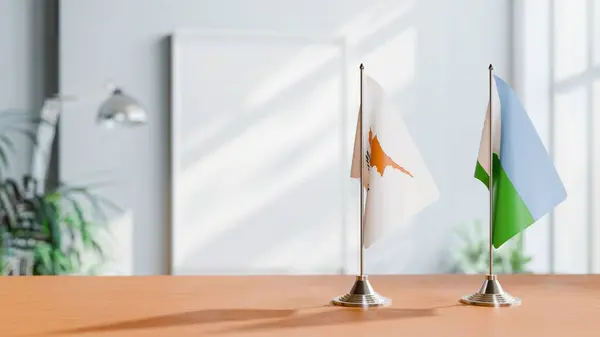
x: 511, y: 216
x: 481, y: 175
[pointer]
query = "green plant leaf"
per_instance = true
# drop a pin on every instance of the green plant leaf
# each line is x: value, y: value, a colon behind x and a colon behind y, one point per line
x: 43, y: 255
x: 86, y: 237
x: 97, y: 247
x: 3, y: 158
x: 473, y: 254
x: 29, y: 134
x: 7, y: 204
x: 55, y: 214
x: 74, y: 257
x: 6, y: 141
x: 57, y: 258
x: 51, y: 215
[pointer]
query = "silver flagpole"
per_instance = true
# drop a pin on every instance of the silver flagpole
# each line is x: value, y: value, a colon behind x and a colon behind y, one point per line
x: 362, y: 179
x: 491, y: 180
x: 362, y: 293
x: 491, y: 293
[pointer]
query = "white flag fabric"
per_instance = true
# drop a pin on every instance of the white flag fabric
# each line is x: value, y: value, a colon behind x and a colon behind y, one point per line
x: 397, y: 180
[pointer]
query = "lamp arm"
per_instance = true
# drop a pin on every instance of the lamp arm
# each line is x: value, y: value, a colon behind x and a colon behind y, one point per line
x: 45, y: 135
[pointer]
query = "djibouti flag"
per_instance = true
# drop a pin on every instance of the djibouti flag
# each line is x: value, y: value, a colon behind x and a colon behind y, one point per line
x: 526, y: 185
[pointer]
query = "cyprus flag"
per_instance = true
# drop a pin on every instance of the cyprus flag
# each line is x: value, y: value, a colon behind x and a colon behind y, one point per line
x: 397, y: 180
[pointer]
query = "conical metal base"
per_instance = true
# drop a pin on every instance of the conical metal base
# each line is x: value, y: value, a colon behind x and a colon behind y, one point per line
x: 491, y: 294
x: 361, y: 295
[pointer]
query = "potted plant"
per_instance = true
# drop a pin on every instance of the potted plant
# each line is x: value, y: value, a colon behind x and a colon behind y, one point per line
x: 53, y: 232
x: 471, y: 256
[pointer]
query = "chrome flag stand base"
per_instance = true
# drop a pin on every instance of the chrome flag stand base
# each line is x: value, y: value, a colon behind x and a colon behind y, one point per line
x: 361, y: 295
x: 491, y: 294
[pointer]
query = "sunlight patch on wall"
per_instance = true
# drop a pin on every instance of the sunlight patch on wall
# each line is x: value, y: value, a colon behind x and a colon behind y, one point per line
x: 310, y: 62
x: 393, y: 64
x: 570, y: 46
x: 595, y: 160
x: 270, y: 158
x: 297, y: 256
x: 596, y: 33
x: 374, y: 19
x: 572, y: 164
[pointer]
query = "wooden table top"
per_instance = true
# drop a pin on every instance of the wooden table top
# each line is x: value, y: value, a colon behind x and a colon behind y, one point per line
x: 561, y: 306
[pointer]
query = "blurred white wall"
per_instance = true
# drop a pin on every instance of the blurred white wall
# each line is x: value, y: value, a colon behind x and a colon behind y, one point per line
x: 557, y: 63
x: 431, y: 55
x: 23, y: 67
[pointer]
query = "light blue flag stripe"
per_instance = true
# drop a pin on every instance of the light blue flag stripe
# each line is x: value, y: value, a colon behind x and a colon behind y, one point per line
x: 524, y: 157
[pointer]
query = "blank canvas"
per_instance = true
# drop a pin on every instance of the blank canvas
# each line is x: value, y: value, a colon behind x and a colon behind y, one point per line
x: 260, y: 154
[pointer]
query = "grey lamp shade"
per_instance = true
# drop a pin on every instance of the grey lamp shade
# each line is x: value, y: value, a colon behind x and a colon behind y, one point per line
x: 121, y: 109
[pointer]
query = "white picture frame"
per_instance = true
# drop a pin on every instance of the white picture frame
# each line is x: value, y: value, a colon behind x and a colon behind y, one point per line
x: 205, y: 247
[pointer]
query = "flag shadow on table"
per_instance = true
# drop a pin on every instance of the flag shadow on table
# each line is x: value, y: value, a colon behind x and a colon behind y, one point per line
x: 185, y: 318
x: 336, y: 316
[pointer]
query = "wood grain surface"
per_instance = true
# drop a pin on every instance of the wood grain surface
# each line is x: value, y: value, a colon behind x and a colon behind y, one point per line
x: 561, y: 306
